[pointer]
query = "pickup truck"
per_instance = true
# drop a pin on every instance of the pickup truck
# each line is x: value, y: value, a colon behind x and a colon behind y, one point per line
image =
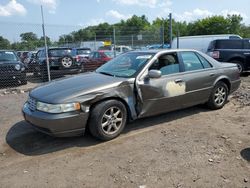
x: 231, y: 50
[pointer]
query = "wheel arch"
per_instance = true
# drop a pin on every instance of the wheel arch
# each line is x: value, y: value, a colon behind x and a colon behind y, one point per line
x: 224, y: 80
x: 130, y: 116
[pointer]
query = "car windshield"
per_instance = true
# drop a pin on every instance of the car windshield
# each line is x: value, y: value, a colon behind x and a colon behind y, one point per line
x: 109, y: 54
x: 8, y: 56
x: 126, y: 65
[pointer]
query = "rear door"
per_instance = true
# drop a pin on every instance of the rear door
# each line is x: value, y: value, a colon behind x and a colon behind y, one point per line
x: 247, y: 52
x: 199, y: 77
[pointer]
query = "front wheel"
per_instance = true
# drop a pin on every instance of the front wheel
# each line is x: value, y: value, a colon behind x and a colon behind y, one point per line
x: 107, y: 119
x: 218, y: 97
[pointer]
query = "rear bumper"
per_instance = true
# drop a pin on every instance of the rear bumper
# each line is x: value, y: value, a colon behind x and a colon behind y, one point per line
x: 59, y: 125
x: 235, y: 85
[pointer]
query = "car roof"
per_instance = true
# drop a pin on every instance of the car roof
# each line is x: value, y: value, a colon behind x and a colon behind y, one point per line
x: 164, y: 50
x: 7, y: 50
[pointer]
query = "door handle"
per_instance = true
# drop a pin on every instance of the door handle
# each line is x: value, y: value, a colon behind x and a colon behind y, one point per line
x: 178, y: 81
x: 211, y: 74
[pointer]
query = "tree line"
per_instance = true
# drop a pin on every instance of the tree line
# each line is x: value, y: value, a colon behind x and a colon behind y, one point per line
x: 137, y: 25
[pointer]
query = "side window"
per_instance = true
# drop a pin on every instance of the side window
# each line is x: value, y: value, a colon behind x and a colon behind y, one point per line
x: 96, y: 55
x: 246, y: 44
x: 191, y: 61
x: 167, y: 64
x: 40, y: 54
x: 229, y: 44
x: 204, y: 62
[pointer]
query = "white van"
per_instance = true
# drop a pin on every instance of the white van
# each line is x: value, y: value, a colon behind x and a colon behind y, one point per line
x: 200, y: 42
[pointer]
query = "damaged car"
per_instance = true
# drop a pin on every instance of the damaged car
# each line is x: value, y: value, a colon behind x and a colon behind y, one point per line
x: 134, y: 85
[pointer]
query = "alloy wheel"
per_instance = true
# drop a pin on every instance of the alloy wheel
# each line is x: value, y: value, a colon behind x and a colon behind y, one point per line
x: 220, y: 95
x: 67, y: 62
x: 112, y: 120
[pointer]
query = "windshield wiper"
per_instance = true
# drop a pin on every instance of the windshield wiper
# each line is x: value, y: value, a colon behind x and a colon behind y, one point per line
x: 106, y: 73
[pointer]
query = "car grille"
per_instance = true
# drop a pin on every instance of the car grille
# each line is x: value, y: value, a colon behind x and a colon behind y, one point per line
x: 7, y: 68
x: 32, y: 104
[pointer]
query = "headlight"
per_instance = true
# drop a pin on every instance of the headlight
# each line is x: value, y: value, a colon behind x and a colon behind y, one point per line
x: 57, y: 108
x: 17, y: 67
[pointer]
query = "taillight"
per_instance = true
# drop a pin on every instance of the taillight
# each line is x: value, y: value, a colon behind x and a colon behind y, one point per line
x: 216, y: 54
x: 78, y: 58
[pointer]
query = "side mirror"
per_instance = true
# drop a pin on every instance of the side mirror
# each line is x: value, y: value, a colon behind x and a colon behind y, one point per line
x: 154, y: 74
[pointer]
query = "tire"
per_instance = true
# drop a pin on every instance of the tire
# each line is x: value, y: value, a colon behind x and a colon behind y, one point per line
x: 239, y: 65
x: 108, y: 119
x: 67, y: 61
x: 23, y: 80
x: 218, y: 97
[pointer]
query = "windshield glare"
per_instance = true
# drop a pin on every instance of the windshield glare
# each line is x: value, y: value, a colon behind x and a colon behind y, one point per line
x: 126, y: 65
x: 8, y: 56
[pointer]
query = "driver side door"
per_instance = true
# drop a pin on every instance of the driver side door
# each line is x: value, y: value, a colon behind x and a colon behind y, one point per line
x: 163, y: 94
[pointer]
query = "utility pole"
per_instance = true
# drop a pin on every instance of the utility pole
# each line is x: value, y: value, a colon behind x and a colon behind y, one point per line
x: 178, y: 35
x: 170, y: 30
x: 46, y: 47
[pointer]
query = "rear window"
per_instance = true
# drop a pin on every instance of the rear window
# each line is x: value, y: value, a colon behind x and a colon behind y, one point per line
x: 82, y: 51
x: 229, y: 44
x: 211, y: 46
x: 59, y: 52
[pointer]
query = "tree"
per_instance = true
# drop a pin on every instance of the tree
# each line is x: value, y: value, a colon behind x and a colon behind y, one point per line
x: 29, y: 36
x: 4, y: 43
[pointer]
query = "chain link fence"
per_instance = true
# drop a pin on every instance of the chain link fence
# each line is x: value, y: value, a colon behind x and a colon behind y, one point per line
x: 71, y: 50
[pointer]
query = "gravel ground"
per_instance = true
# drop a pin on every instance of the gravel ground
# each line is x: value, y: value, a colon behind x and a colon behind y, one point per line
x: 194, y: 147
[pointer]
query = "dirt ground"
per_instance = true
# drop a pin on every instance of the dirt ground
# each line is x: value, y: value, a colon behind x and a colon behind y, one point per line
x: 195, y: 147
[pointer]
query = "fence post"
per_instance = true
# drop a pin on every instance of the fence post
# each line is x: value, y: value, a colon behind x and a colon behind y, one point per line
x: 46, y: 47
x: 163, y: 26
x: 132, y: 41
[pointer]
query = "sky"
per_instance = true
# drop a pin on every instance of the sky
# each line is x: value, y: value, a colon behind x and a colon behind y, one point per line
x: 70, y: 14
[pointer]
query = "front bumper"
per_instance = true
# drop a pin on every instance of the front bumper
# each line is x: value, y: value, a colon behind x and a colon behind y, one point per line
x: 12, y: 76
x: 59, y: 125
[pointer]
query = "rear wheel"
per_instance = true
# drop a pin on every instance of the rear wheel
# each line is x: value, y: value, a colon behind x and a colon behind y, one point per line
x: 218, y: 97
x: 239, y: 65
x: 67, y: 61
x: 108, y: 119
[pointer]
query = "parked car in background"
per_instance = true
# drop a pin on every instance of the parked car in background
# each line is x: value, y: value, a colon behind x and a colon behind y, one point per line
x: 82, y: 53
x: 158, y: 46
x: 200, y: 42
x: 12, y: 70
x: 28, y: 61
x: 231, y: 50
x: 96, y: 59
x: 133, y: 85
x: 22, y: 55
x: 62, y: 60
x: 119, y: 49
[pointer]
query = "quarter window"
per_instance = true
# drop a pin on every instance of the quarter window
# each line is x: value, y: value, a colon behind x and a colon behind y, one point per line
x: 204, y: 62
x: 191, y: 61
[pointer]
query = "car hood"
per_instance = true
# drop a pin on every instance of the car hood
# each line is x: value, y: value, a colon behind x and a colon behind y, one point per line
x: 70, y: 89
